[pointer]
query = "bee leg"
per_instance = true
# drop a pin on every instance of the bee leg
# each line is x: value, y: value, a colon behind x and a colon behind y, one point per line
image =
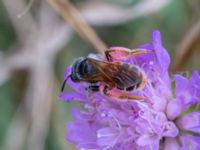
x: 118, y: 53
x: 116, y: 95
x: 105, y: 90
x: 136, y: 52
x: 108, y: 56
x: 124, y: 97
x: 131, y: 97
x: 93, y: 88
x: 131, y: 88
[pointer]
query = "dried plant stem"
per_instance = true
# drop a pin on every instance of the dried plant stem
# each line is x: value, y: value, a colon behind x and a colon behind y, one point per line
x: 186, y: 47
x: 73, y: 17
x: 30, y: 124
x: 23, y: 25
x: 18, y: 122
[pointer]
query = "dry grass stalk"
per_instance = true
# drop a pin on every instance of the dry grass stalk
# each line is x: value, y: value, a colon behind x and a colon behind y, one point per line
x: 73, y: 17
x: 186, y: 48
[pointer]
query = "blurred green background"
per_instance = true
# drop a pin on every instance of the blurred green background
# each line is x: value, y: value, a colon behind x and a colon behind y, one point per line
x: 36, y: 48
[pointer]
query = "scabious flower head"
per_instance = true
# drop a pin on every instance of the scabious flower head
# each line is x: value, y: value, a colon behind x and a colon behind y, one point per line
x: 163, y: 120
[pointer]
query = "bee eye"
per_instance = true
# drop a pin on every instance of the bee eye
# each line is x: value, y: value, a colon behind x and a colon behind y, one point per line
x: 87, y: 69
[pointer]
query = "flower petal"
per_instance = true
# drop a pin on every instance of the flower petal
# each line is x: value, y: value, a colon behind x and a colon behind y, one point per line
x: 148, y: 140
x: 182, y: 91
x: 195, y: 87
x: 71, y: 96
x: 187, y: 90
x: 190, y: 142
x: 145, y: 139
x: 107, y: 136
x: 88, y: 146
x: 67, y: 72
x: 159, y: 104
x: 170, y: 129
x: 171, y: 144
x: 190, y: 122
x: 173, y: 109
x: 80, y: 132
x: 79, y: 115
x: 161, y: 53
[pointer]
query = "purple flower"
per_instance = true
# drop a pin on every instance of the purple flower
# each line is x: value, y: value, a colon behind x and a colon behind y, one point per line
x: 165, y: 119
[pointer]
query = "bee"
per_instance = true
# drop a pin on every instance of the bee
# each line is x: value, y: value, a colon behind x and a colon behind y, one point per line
x: 116, y: 79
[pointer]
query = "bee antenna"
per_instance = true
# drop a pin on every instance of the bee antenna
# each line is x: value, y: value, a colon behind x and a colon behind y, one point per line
x: 63, y: 85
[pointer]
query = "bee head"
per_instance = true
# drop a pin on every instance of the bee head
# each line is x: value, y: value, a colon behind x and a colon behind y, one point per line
x: 75, y: 73
x: 82, y: 69
x: 75, y: 77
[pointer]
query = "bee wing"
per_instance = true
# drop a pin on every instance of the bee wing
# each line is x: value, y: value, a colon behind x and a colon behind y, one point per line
x: 98, y: 71
x: 124, y: 75
x: 95, y: 56
x: 116, y: 73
